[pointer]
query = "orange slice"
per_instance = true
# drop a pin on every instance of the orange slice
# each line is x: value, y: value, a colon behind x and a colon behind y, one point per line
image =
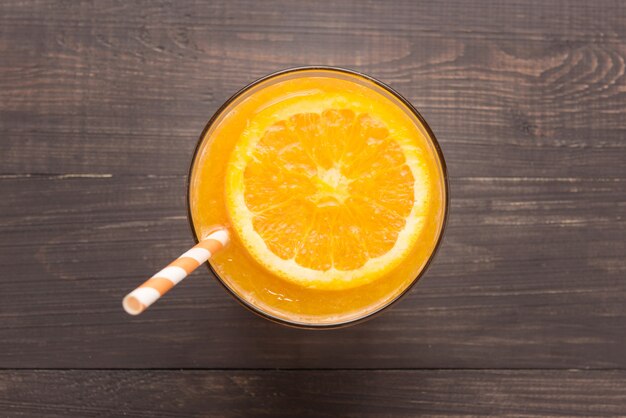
x: 328, y: 193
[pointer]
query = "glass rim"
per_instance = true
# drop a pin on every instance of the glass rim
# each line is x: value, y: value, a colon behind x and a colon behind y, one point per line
x: 433, y: 139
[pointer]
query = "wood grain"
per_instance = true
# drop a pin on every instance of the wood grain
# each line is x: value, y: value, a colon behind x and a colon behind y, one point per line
x: 101, y: 104
x: 516, y: 89
x: 530, y: 275
x: 407, y: 393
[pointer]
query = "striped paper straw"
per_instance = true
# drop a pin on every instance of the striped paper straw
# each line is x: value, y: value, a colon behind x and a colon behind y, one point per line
x: 145, y: 295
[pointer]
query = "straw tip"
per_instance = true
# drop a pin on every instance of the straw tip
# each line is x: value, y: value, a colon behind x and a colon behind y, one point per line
x: 220, y: 235
x: 132, y: 305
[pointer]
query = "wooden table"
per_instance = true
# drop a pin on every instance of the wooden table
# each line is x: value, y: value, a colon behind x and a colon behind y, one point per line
x: 522, y: 313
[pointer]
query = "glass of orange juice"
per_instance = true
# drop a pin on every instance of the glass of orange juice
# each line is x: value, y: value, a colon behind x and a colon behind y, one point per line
x: 334, y: 189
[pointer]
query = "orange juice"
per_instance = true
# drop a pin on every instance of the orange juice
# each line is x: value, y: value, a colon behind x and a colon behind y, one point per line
x: 333, y: 187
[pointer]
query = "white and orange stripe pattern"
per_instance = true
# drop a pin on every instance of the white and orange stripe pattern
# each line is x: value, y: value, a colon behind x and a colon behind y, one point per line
x: 145, y: 295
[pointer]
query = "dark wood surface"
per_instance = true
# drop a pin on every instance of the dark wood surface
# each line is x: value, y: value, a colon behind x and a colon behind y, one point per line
x: 373, y: 393
x: 101, y: 104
